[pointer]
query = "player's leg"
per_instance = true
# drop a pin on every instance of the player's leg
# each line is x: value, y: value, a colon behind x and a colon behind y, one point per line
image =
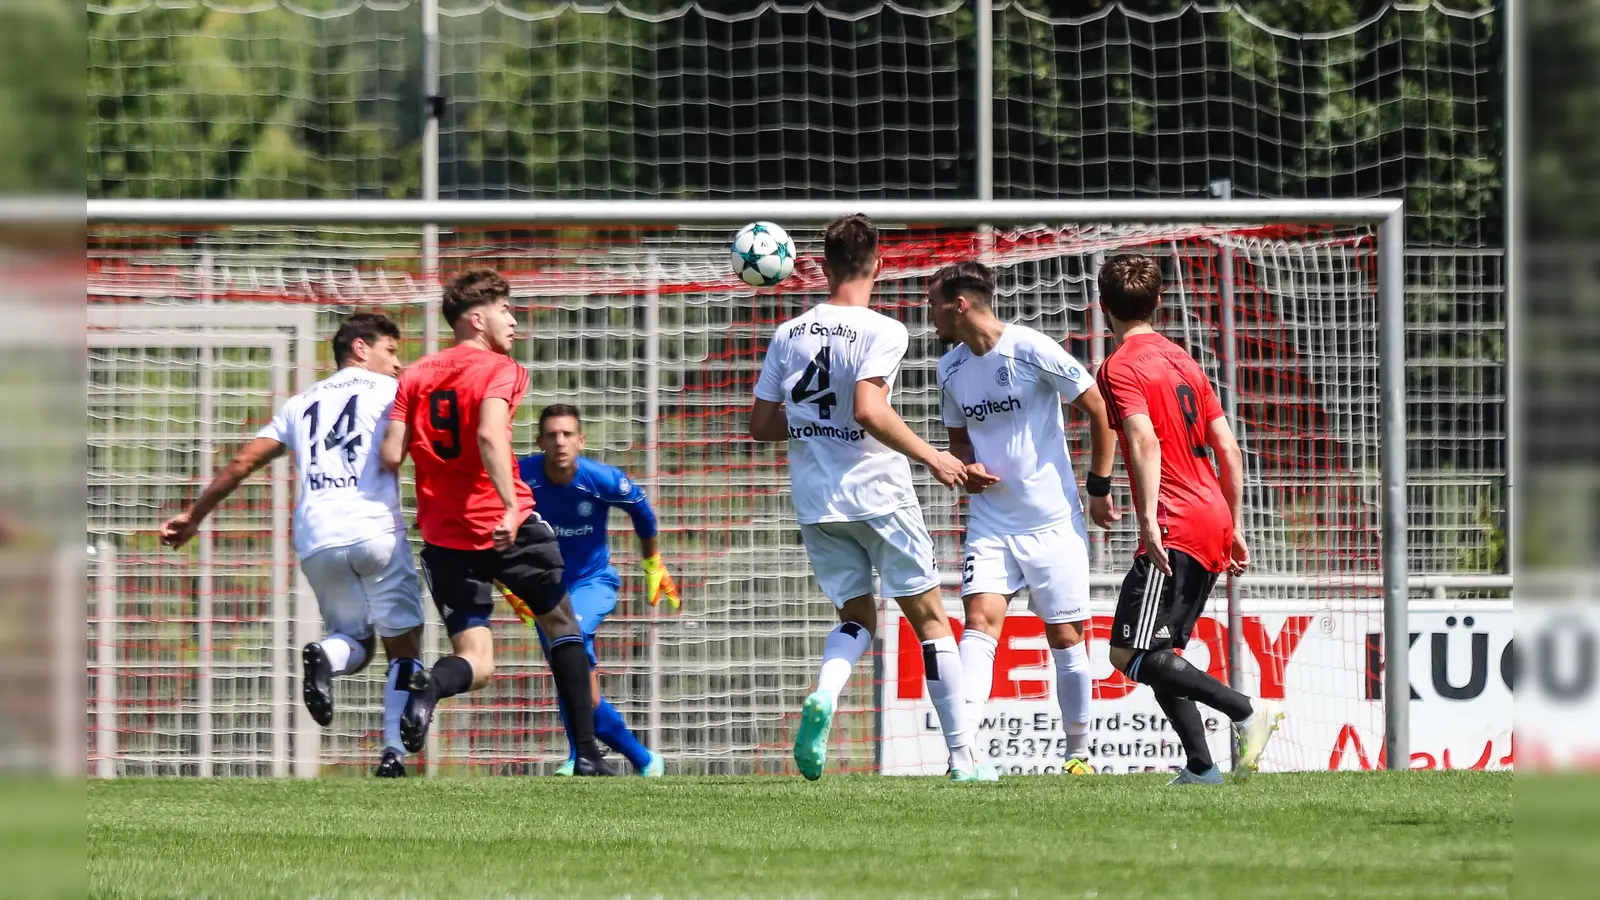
x: 565, y: 769
x: 1056, y: 566
x: 464, y: 594
x: 348, y: 643
x: 394, y: 599
x: 592, y: 601
x: 902, y: 552
x: 1154, y: 613
x: 532, y: 569
x: 989, y: 576
x: 844, y: 572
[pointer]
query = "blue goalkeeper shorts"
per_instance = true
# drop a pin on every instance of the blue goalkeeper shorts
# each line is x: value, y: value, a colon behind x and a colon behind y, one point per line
x: 592, y: 600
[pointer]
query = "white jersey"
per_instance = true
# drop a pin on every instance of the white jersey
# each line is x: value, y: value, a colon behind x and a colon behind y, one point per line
x: 1009, y: 400
x: 333, y: 430
x: 838, y: 472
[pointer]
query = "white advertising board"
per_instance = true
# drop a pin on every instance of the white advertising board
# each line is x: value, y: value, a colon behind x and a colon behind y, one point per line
x: 1322, y: 660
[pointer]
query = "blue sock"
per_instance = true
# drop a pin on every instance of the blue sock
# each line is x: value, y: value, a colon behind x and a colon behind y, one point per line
x: 609, y: 727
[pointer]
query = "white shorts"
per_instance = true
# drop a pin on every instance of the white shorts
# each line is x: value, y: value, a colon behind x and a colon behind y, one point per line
x: 843, y: 555
x: 1053, y: 565
x: 366, y: 584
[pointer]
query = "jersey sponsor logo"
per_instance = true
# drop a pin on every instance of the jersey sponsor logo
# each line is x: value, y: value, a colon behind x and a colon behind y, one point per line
x: 821, y: 330
x: 317, y: 481
x: 585, y: 508
x: 986, y: 408
x: 1002, y: 377
x: 810, y: 431
x: 580, y: 531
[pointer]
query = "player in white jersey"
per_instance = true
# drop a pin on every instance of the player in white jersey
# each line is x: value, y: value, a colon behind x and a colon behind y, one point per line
x: 348, y: 530
x: 1002, y: 388
x: 825, y: 388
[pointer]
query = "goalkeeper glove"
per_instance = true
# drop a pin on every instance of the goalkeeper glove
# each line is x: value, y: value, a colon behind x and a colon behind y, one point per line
x: 518, y: 605
x: 658, y: 581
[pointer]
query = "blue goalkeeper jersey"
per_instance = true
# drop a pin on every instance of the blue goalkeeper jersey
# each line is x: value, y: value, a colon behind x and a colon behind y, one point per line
x: 578, y: 511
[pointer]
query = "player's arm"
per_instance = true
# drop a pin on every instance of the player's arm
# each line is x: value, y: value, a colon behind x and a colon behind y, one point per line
x: 494, y: 447
x: 1144, y: 467
x: 1102, y: 453
x: 767, y: 422
x: 397, y: 437
x: 874, y: 414
x: 1230, y: 472
x: 177, y: 531
x: 977, y: 478
x: 627, y: 494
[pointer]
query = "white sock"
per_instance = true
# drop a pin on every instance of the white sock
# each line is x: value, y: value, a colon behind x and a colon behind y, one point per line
x: 844, y: 646
x: 394, y: 703
x: 942, y: 665
x: 977, y: 669
x: 1074, y: 687
x: 344, y: 653
x: 1244, y: 723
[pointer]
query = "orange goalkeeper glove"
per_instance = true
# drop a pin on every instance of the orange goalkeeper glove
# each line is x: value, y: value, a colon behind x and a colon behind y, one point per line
x: 658, y: 581
x: 518, y: 606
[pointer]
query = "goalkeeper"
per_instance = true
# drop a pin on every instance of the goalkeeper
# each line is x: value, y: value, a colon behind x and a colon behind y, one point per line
x: 574, y: 495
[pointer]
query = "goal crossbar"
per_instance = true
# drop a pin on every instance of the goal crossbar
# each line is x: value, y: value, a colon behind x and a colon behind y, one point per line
x: 1382, y: 213
x: 1385, y: 216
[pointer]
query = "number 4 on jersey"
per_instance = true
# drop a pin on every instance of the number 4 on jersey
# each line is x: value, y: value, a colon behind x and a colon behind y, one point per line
x: 815, y: 386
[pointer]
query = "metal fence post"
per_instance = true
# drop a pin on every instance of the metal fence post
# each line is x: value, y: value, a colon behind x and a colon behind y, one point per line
x: 652, y: 474
x: 1222, y: 189
x: 1392, y: 400
x: 107, y: 737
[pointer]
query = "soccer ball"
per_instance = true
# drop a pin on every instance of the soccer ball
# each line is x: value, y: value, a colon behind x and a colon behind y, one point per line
x: 763, y: 254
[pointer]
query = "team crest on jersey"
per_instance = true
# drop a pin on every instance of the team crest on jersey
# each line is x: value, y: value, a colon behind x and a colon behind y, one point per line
x: 585, y: 508
x: 1003, y: 376
x: 624, y: 485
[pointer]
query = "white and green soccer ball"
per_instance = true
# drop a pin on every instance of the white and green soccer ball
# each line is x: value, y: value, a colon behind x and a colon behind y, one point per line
x: 763, y: 254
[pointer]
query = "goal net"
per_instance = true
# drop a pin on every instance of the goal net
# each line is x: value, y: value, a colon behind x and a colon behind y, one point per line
x: 648, y: 333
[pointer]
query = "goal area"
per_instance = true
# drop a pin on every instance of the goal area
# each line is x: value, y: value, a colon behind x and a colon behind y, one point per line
x: 205, y: 316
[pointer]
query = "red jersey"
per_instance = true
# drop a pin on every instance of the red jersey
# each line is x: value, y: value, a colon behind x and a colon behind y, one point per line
x: 439, y: 397
x: 1151, y: 375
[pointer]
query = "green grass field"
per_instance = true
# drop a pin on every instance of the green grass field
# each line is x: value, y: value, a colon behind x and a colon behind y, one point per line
x: 1317, y: 835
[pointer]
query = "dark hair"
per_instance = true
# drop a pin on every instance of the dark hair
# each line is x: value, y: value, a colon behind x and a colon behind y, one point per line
x: 970, y: 279
x: 473, y: 288
x: 1130, y: 287
x: 850, y: 245
x: 366, y: 327
x: 556, y: 411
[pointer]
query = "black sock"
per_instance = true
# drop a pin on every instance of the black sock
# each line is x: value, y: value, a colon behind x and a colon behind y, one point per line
x: 1166, y: 671
x: 451, y: 675
x: 1191, y: 729
x: 569, y: 665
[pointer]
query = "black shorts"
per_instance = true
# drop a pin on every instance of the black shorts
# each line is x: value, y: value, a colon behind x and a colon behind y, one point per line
x: 462, y: 581
x: 1155, y: 612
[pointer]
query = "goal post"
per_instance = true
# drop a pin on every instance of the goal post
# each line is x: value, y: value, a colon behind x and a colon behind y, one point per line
x: 1317, y: 280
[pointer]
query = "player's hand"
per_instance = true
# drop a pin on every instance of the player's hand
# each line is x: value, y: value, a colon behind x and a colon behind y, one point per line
x: 518, y: 606
x: 1238, y: 555
x: 950, y: 471
x: 178, y: 530
x: 506, y: 531
x: 978, y: 478
x: 1150, y: 536
x: 1103, y: 512
x: 658, y: 581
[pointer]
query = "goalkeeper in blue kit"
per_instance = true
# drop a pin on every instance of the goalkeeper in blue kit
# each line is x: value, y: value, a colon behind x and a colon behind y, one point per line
x: 574, y: 495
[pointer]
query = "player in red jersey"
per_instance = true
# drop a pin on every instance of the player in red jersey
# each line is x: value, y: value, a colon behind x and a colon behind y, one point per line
x: 1190, y: 525
x: 452, y: 414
